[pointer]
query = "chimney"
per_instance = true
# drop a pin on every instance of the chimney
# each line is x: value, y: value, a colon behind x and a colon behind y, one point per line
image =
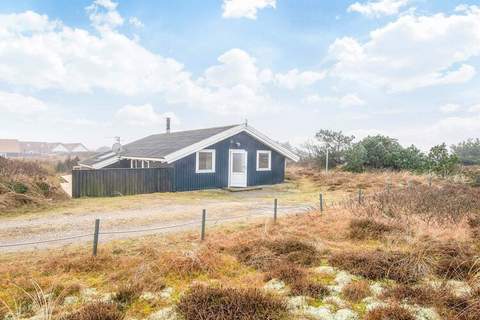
x: 168, y: 124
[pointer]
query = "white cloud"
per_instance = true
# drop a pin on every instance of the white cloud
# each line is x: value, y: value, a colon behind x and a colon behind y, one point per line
x: 245, y: 8
x: 294, y: 78
x: 103, y: 15
x: 474, y: 108
x: 449, y: 108
x: 134, y: 21
x: 378, y: 8
x: 412, y: 52
x: 455, y: 129
x: 348, y: 100
x: 237, y: 68
x: 20, y: 104
x: 143, y: 115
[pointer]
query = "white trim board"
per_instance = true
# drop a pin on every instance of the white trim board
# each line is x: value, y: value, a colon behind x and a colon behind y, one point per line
x: 174, y: 156
x: 269, y: 168
x: 197, y: 162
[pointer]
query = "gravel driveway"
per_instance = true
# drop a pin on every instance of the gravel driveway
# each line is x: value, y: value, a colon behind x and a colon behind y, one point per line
x: 64, y: 224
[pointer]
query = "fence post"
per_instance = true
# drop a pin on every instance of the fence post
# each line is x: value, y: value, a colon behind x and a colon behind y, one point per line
x: 359, y: 196
x: 95, y: 237
x: 275, y: 205
x: 204, y: 218
x: 430, y: 180
x: 321, y: 202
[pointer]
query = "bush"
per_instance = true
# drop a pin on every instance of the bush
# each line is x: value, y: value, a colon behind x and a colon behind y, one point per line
x: 421, y: 295
x: 263, y: 254
x: 97, y: 311
x: 367, y: 228
x: 202, y: 302
x: 126, y: 294
x: 392, y: 312
x: 356, y: 290
x: 445, y: 205
x: 379, y: 264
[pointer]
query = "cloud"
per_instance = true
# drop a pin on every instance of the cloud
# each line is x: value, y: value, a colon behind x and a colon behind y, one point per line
x: 474, y: 108
x: 134, y: 21
x: 412, y: 52
x: 294, y: 79
x: 20, y: 104
x: 348, y: 100
x: 449, y: 108
x: 103, y: 15
x: 378, y: 8
x: 41, y: 54
x: 245, y: 8
x: 143, y: 115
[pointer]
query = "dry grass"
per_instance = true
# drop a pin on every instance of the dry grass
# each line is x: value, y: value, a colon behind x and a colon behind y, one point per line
x: 403, y: 267
x: 264, y: 254
x: 203, y: 302
x: 444, y: 205
x: 96, y: 311
x: 357, y: 290
x: 391, y: 312
x: 420, y: 295
x: 368, y: 228
x: 27, y: 183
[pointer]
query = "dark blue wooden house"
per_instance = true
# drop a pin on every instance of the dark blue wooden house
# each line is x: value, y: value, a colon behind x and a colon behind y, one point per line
x: 231, y: 156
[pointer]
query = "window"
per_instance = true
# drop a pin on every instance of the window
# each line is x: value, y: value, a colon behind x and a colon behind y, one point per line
x: 205, y: 161
x: 264, y: 160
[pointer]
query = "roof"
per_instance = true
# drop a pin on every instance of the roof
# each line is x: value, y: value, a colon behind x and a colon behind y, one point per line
x: 169, y: 147
x: 34, y: 147
x: 10, y: 146
x: 75, y: 147
x: 160, y: 145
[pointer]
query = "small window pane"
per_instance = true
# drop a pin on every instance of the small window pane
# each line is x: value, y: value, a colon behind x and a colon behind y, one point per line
x: 238, y: 163
x: 205, y: 161
x: 263, y: 160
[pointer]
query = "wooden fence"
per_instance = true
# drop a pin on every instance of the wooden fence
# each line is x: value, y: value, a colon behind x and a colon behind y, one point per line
x: 115, y: 182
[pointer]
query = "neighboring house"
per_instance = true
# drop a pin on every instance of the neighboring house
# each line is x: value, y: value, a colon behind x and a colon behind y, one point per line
x: 48, y: 148
x: 75, y: 147
x: 9, y: 148
x: 58, y: 148
x: 230, y: 156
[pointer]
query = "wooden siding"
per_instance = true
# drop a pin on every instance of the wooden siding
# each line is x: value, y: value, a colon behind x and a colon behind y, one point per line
x: 112, y: 182
x: 187, y: 179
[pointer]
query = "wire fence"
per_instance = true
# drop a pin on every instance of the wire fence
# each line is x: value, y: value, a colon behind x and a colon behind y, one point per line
x: 201, y: 222
x: 322, y: 206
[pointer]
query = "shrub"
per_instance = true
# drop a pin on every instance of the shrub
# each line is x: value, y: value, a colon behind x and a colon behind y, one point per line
x: 202, y: 302
x: 391, y: 312
x: 262, y: 254
x: 356, y: 290
x: 379, y: 264
x: 127, y: 293
x: 368, y: 228
x: 421, y: 295
x: 304, y: 287
x: 456, y: 260
x: 444, y: 205
x: 97, y: 311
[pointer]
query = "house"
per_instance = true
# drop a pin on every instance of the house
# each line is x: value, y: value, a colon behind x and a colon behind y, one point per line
x: 49, y: 148
x: 229, y: 156
x: 9, y: 148
x: 75, y: 147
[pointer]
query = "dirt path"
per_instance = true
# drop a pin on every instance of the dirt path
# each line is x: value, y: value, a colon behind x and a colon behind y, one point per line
x: 64, y: 224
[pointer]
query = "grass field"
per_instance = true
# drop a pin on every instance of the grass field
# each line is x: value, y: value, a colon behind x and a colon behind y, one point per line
x: 409, y: 251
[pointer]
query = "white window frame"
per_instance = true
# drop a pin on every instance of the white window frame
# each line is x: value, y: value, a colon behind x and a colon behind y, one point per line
x: 197, y: 163
x: 269, y: 152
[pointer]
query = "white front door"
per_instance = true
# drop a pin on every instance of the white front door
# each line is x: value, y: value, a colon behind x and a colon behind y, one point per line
x: 237, y: 168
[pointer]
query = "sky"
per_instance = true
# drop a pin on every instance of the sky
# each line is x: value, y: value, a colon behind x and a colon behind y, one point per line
x: 87, y: 71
